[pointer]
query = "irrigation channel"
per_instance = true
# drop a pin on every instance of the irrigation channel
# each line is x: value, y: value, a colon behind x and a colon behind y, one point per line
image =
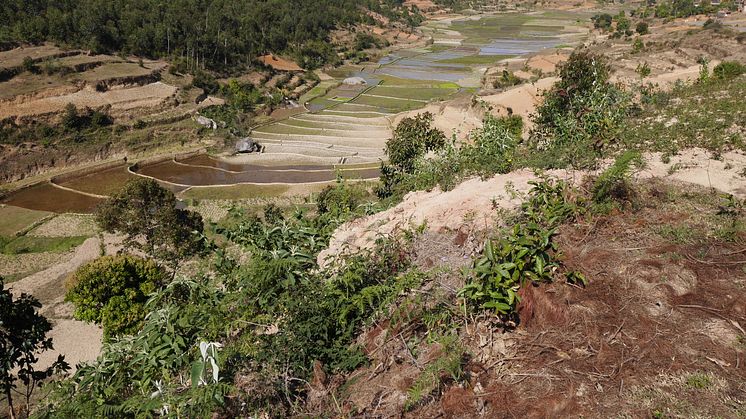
x: 345, y: 128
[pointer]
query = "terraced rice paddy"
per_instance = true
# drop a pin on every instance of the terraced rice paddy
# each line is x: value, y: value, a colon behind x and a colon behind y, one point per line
x: 344, y: 128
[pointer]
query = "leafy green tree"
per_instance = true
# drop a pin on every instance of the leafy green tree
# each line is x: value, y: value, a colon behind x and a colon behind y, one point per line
x: 112, y: 291
x: 148, y: 216
x: 413, y: 138
x: 70, y: 118
x: 602, y: 21
x: 23, y: 336
x: 580, y: 115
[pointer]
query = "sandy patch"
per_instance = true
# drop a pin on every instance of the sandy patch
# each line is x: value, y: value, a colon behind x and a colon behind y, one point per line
x: 78, y: 341
x: 471, y: 205
x: 452, y: 117
x: 474, y: 204
x: 522, y: 100
x: 546, y: 63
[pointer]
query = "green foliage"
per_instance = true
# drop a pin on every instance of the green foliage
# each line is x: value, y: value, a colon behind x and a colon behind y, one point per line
x: 490, y: 152
x: 507, y: 79
x: 112, y: 291
x: 732, y: 215
x: 29, y: 65
x: 241, y: 96
x: 642, y: 28
x: 32, y: 244
x: 581, y: 115
x: 613, y: 185
x: 689, y: 115
x: 698, y: 381
x: 340, y: 199
x: 602, y: 21
x: 728, y: 70
x: 214, y: 34
x: 72, y: 120
x: 524, y: 254
x: 412, y: 139
x: 364, y: 40
x: 147, y: 214
x: 449, y: 366
x: 23, y: 336
x: 206, y: 82
x: 637, y: 45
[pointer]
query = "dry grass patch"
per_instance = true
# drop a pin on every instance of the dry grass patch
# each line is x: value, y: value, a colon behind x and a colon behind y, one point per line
x: 15, y: 219
x: 66, y: 225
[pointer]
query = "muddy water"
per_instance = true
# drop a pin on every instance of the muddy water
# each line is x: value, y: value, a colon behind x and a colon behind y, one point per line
x: 105, y: 182
x: 205, y: 160
x: 184, y: 174
x: 47, y: 197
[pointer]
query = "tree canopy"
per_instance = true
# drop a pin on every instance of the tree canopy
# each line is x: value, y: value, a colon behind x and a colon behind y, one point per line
x: 147, y: 214
x: 206, y: 33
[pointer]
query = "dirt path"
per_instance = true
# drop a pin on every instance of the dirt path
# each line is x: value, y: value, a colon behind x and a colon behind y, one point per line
x: 78, y: 341
x: 474, y: 204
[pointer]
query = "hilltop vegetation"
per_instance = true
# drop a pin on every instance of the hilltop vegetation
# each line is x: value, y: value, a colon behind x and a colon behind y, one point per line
x: 215, y: 34
x: 264, y: 328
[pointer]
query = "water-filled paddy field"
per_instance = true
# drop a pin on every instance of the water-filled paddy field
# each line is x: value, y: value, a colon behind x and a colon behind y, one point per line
x: 344, y: 128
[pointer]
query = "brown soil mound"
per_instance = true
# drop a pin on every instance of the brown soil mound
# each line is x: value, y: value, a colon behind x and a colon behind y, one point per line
x: 473, y: 202
x: 657, y: 332
x: 278, y: 63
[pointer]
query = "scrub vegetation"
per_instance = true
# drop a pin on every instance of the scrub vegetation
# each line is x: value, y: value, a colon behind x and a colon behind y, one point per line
x: 242, y: 317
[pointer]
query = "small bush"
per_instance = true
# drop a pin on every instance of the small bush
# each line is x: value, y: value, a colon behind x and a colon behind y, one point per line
x: 613, y: 185
x: 728, y: 70
x: 206, y: 82
x: 581, y: 115
x: 507, y: 79
x: 413, y: 138
x: 29, y: 65
x: 526, y: 254
x: 602, y: 21
x: 642, y: 28
x: 340, y: 199
x: 112, y: 291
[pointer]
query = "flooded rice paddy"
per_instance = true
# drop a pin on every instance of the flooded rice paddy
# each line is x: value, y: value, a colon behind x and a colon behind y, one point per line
x: 341, y: 130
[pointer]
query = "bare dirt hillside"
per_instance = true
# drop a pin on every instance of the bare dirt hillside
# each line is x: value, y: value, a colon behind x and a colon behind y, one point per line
x: 471, y: 206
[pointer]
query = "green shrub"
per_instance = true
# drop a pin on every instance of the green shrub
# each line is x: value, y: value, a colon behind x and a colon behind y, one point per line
x: 112, y: 291
x: 728, y: 70
x: 602, y: 21
x: 642, y: 28
x: 613, y: 185
x: 507, y: 79
x: 206, y: 82
x: 525, y: 254
x: 340, y: 199
x: 412, y: 139
x: 580, y: 116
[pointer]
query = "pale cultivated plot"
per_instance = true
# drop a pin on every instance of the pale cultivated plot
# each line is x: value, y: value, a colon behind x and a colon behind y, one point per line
x: 327, y: 117
x: 66, y: 225
x: 12, y: 265
x: 323, y: 139
x: 15, y: 219
x: 120, y: 99
x: 14, y: 57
